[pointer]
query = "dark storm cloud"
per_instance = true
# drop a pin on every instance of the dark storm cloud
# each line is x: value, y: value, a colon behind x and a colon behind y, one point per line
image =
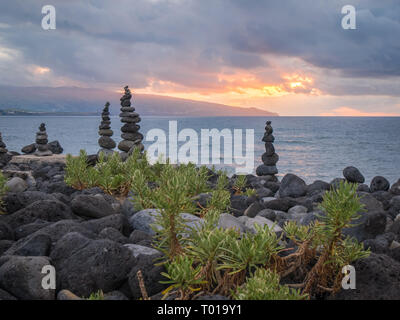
x: 189, y: 42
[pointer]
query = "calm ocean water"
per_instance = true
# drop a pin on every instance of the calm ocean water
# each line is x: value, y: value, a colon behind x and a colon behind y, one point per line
x: 311, y: 147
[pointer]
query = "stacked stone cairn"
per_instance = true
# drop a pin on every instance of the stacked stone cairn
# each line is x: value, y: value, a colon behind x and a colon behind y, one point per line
x: 42, y: 147
x: 131, y: 136
x: 2, y: 146
x: 105, y: 141
x: 269, y: 158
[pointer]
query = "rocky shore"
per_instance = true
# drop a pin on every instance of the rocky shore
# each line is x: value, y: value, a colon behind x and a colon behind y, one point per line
x: 97, y: 242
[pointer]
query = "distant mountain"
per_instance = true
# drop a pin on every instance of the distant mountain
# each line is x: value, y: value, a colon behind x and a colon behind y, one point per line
x: 83, y: 100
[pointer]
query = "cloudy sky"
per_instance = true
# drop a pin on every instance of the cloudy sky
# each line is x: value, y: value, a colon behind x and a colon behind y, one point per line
x: 287, y: 56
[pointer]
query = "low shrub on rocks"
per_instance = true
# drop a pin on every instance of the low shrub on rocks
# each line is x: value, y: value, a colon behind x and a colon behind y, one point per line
x: 203, y: 258
x: 208, y: 259
x: 111, y: 174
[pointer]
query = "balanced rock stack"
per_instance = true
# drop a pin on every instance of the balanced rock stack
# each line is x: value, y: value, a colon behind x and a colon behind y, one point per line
x: 131, y: 136
x: 2, y: 146
x: 105, y: 141
x: 42, y: 148
x: 269, y: 158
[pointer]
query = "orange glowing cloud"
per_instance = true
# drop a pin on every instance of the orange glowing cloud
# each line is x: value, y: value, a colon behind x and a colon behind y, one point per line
x: 38, y: 70
x: 350, y: 112
x: 234, y: 85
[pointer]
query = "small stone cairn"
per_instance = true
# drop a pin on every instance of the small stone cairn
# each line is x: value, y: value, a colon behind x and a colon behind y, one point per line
x: 3, y: 148
x: 131, y: 136
x: 42, y: 148
x: 106, y: 143
x: 269, y: 158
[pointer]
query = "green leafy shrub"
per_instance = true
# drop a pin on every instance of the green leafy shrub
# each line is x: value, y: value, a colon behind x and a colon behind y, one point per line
x: 111, y: 174
x: 240, y: 184
x: 183, y: 277
x: 325, y: 242
x: 99, y: 295
x: 78, y: 174
x: 248, y: 252
x: 264, y: 285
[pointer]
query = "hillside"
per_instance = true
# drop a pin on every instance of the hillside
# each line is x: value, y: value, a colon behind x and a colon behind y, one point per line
x: 83, y: 100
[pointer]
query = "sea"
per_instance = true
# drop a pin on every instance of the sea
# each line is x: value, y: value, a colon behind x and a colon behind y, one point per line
x: 314, y: 148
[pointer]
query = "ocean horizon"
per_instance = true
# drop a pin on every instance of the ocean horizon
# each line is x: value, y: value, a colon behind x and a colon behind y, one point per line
x: 314, y: 148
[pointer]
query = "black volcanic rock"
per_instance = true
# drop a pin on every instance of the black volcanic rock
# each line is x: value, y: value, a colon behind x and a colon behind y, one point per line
x: 352, y: 174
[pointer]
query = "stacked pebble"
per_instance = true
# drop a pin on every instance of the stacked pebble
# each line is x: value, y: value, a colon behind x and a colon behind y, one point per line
x: 269, y: 158
x: 42, y: 148
x: 2, y: 146
x: 105, y: 141
x: 131, y: 136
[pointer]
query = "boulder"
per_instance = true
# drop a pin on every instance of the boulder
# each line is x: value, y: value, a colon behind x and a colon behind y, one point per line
x: 151, y: 276
x: 85, y: 266
x: 48, y: 210
x: 115, y: 295
x: 352, y: 174
x: 368, y: 226
x: 67, y: 295
x: 379, y: 184
x: 335, y: 183
x: 378, y: 278
x: 16, y: 201
x: 55, y: 147
x: 318, y: 186
x: 22, y: 277
x: 282, y: 204
x: 38, y: 245
x: 116, y: 221
x: 363, y: 188
x: 30, y: 148
x: 268, y: 214
x: 297, y: 210
x: 4, y: 295
x: 228, y: 221
x: 27, y: 229
x: 292, y: 186
x: 394, y: 206
x: 143, y: 220
x: 253, y: 209
x: 91, y: 206
x: 57, y: 230
x: 263, y: 192
x: 6, y: 232
x: 16, y: 184
x: 250, y: 223
x: 395, y: 189
x: 138, y: 237
x: 5, y: 245
x: 113, y: 234
x: 370, y: 202
x: 273, y: 185
x: 238, y: 204
x: 138, y: 250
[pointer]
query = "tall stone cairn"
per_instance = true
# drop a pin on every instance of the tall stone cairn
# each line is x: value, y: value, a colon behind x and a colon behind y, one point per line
x: 106, y: 143
x: 269, y: 157
x: 42, y: 148
x: 131, y: 136
x: 3, y: 148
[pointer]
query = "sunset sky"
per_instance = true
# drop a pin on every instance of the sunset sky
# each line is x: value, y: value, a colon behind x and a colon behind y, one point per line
x: 288, y: 56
